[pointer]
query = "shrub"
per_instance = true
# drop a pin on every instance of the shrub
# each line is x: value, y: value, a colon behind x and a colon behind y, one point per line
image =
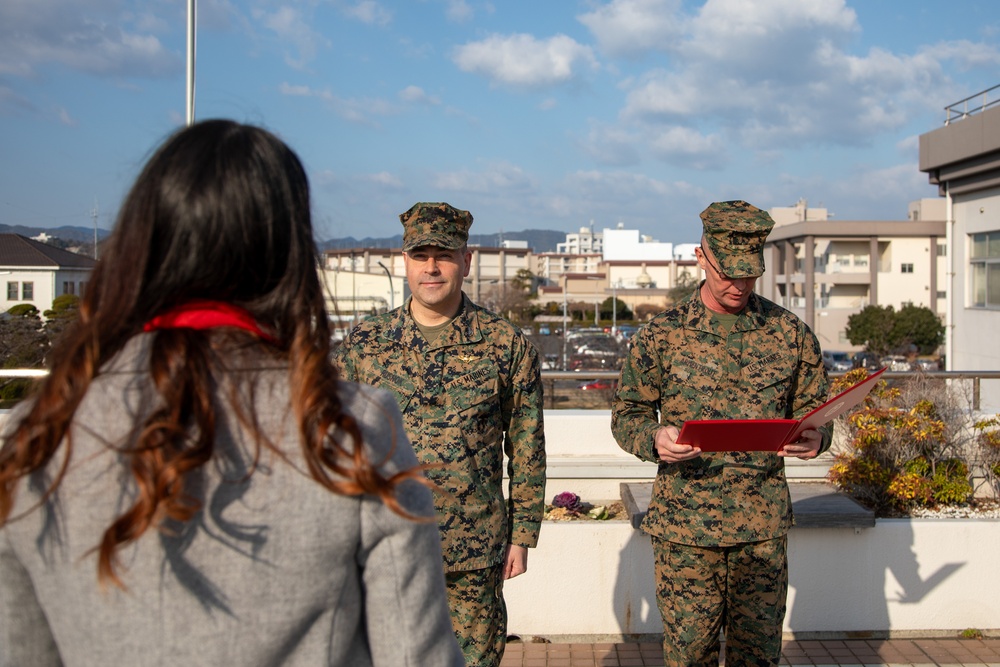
x: 987, y: 440
x: 907, y: 446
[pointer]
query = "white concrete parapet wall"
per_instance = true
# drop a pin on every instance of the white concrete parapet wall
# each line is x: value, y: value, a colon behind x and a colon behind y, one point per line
x: 904, y: 577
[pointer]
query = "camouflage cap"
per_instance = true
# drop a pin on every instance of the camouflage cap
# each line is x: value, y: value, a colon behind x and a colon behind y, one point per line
x: 435, y: 224
x: 736, y: 231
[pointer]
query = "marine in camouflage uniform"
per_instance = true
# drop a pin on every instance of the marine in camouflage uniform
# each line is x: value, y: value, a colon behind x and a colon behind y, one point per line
x: 469, y: 395
x: 719, y: 520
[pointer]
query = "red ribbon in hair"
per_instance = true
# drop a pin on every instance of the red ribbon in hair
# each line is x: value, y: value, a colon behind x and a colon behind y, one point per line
x: 207, y: 314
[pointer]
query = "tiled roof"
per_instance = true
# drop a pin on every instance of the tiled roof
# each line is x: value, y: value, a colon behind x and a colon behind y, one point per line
x: 17, y: 250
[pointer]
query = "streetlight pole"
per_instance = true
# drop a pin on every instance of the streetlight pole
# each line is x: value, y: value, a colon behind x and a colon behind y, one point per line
x: 614, y: 309
x: 392, y: 292
x: 565, y: 304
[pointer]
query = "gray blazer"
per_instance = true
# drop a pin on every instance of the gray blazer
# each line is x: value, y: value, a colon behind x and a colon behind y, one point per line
x: 275, y: 569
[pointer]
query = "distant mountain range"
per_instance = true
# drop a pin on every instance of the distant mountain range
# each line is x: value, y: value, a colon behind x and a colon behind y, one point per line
x: 67, y: 233
x: 539, y: 240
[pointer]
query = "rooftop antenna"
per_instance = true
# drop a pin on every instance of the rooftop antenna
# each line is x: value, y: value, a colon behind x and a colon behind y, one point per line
x: 189, y: 106
x: 93, y: 215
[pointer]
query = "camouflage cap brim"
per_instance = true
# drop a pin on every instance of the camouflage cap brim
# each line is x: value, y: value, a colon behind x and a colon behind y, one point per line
x: 435, y: 224
x: 736, y: 232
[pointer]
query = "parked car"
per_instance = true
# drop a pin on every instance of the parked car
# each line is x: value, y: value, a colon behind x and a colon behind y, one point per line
x: 899, y: 363
x: 599, y: 384
x: 836, y: 361
x: 866, y: 360
x: 626, y: 331
x: 929, y: 364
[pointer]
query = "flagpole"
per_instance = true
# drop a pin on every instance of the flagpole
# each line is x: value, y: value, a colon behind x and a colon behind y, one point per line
x: 191, y: 11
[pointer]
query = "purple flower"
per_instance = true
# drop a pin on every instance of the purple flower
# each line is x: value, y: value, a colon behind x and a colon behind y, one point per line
x: 567, y: 500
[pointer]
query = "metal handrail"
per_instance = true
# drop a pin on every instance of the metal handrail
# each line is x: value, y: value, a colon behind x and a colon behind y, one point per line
x: 975, y: 376
x: 953, y: 113
x: 547, y: 375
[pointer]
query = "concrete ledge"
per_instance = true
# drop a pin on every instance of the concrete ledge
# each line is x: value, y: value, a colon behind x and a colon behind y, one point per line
x: 599, y: 467
x: 814, y: 505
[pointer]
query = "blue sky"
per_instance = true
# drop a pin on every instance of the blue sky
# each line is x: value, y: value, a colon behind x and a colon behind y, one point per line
x: 546, y: 114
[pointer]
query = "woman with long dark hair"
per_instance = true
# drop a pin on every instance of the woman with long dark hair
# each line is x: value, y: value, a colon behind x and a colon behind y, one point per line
x: 191, y: 484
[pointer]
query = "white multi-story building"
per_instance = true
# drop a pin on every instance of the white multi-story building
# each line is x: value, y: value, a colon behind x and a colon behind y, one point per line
x: 629, y: 245
x: 35, y: 273
x: 963, y: 160
x: 586, y: 242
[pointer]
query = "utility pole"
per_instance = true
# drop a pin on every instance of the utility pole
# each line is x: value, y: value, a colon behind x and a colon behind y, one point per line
x: 93, y: 215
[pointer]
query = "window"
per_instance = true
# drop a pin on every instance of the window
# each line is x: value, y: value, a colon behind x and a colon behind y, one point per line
x: 861, y: 260
x: 68, y: 287
x: 12, y: 291
x: 27, y: 291
x: 942, y: 249
x: 984, y: 267
x: 906, y: 268
x: 941, y: 294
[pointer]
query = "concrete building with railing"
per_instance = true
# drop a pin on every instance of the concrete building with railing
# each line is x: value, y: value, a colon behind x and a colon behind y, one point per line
x: 963, y: 159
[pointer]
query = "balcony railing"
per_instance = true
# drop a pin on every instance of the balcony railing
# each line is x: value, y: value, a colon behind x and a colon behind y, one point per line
x: 559, y: 383
x: 973, y: 104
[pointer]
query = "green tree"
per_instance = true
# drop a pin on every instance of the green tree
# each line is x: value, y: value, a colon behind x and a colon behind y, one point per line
x: 524, y: 281
x: 918, y: 325
x: 875, y: 328
x: 684, y: 287
x: 881, y: 329
x: 63, y: 312
x: 610, y: 305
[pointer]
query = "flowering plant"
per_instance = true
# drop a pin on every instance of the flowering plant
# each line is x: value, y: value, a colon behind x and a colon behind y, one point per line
x: 568, y: 501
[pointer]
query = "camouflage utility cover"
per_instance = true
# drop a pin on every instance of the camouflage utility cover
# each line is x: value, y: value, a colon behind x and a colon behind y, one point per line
x: 435, y: 224
x: 687, y: 367
x: 468, y: 399
x: 736, y: 231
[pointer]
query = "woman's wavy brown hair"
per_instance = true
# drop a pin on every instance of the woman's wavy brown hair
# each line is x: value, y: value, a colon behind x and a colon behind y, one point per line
x: 221, y: 211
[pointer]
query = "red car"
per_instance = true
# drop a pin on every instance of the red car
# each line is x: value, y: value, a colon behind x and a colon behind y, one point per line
x: 599, y: 384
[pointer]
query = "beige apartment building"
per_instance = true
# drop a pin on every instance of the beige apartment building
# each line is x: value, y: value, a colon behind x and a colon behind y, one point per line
x: 826, y: 270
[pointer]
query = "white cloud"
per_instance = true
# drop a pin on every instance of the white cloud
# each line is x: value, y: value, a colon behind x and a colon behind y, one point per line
x: 384, y: 180
x: 417, y: 95
x: 637, y: 200
x: 522, y: 61
x: 98, y: 39
x: 499, y: 179
x: 630, y: 27
x: 369, y: 12
x: 776, y: 74
x: 12, y: 103
x: 66, y: 118
x: 458, y: 11
x: 363, y: 111
x: 689, y: 148
x: 611, y: 145
x: 290, y: 25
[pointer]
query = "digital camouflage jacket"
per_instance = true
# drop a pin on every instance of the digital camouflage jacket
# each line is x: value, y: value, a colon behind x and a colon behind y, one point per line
x: 683, y: 366
x: 472, y: 397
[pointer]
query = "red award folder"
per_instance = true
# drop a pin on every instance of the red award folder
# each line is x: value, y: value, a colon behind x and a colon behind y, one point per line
x: 770, y: 435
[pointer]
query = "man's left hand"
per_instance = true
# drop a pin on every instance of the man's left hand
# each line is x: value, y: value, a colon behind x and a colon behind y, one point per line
x: 806, y: 447
x: 515, y: 561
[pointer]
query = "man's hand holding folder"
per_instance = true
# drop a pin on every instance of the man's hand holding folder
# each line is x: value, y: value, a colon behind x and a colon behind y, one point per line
x: 787, y: 437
